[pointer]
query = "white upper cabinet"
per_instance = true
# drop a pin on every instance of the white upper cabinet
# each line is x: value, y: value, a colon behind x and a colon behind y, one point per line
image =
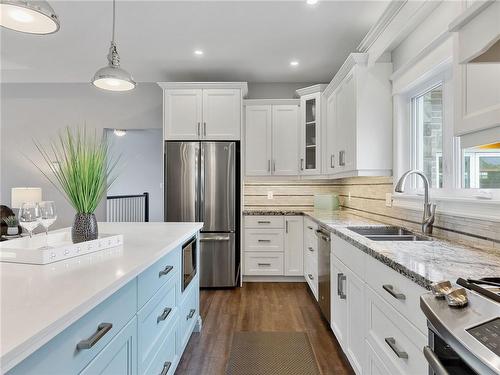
x: 182, y: 113
x: 202, y: 111
x: 477, y: 67
x: 358, y: 117
x: 221, y: 113
x: 310, y: 130
x: 285, y: 139
x: 258, y: 140
x: 271, y: 137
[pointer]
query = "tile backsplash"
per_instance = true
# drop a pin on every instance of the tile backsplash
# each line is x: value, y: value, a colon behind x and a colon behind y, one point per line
x: 365, y: 196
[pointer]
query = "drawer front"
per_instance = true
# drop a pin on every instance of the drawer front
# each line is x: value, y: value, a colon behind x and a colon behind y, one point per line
x: 154, y: 319
x: 187, y: 317
x: 157, y: 275
x: 264, y: 239
x: 310, y: 228
x: 260, y: 264
x: 374, y: 365
x: 393, y: 338
x: 399, y: 291
x: 166, y: 358
x: 311, y: 275
x: 119, y: 356
x: 264, y: 222
x: 350, y: 255
x: 61, y: 354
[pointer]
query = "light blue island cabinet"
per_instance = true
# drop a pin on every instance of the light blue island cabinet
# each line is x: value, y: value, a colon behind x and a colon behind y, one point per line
x: 142, y: 328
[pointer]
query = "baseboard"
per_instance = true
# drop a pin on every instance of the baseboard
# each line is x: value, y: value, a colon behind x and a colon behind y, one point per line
x: 273, y: 279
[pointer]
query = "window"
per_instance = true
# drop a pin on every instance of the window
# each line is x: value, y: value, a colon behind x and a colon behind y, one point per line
x: 427, y: 135
x: 481, y: 167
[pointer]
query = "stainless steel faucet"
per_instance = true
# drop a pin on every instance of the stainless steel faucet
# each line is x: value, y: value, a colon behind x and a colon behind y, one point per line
x: 429, y: 208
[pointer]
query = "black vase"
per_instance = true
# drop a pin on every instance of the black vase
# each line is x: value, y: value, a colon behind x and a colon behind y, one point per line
x: 84, y: 228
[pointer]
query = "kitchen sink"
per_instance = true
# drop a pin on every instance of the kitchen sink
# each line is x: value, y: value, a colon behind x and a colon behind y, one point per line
x: 388, y: 234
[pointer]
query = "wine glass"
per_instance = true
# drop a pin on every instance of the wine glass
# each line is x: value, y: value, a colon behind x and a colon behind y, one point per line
x: 48, y: 214
x: 29, y: 216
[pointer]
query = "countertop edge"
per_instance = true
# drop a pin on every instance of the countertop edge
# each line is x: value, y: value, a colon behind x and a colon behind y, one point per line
x: 20, y: 352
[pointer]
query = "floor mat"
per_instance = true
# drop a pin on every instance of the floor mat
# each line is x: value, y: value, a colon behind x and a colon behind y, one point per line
x: 271, y: 353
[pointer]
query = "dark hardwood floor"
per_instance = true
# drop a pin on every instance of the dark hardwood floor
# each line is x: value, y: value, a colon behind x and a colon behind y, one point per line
x: 258, y: 307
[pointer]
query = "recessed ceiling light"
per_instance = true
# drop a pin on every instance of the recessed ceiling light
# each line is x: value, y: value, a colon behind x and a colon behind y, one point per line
x: 294, y: 63
x: 120, y: 132
x: 198, y: 52
x: 312, y: 2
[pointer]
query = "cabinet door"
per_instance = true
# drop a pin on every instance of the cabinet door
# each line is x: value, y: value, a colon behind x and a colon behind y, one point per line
x: 329, y: 124
x: 345, y: 127
x: 338, y: 291
x: 310, y: 131
x: 294, y: 244
x: 356, y: 321
x: 119, y: 356
x: 182, y: 114
x: 221, y: 114
x: 285, y: 149
x: 258, y: 140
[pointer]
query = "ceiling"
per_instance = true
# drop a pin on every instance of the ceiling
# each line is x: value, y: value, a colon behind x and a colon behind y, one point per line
x: 242, y: 40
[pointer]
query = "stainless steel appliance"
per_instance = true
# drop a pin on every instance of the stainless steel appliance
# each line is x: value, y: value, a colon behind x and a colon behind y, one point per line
x: 202, y: 184
x: 324, y: 271
x: 464, y: 340
x: 189, y: 262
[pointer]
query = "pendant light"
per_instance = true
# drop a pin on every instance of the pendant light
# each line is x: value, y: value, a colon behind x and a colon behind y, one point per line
x: 112, y: 77
x: 32, y: 17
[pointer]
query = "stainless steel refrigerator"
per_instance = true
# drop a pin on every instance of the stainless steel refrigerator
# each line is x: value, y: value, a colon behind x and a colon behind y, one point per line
x: 202, y: 184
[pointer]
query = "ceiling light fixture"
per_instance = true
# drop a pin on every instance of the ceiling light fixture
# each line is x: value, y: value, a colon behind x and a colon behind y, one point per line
x: 112, y: 77
x: 294, y: 63
x: 32, y: 17
x: 312, y: 2
x: 120, y: 132
x: 198, y: 52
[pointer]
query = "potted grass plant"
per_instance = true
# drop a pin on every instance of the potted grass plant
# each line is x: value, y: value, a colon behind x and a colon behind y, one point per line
x: 12, y: 225
x: 80, y: 170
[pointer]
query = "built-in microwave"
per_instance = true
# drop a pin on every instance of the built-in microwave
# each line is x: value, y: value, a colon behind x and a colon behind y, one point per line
x: 189, y: 262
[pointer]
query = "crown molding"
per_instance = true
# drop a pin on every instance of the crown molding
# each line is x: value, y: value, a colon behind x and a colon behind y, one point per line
x: 352, y: 60
x: 385, y: 19
x: 311, y: 89
x: 243, y: 86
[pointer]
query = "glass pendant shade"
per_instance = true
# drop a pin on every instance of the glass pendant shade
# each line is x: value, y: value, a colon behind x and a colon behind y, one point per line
x: 33, y: 17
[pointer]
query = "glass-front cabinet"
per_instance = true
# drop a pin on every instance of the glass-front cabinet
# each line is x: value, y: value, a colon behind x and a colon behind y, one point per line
x: 310, y: 142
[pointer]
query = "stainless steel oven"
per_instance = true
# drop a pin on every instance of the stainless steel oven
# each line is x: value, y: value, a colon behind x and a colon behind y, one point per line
x: 189, y: 262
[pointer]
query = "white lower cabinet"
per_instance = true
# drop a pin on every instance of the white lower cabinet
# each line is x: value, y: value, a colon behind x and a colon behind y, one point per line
x: 273, y: 246
x: 378, y: 332
x: 311, y: 255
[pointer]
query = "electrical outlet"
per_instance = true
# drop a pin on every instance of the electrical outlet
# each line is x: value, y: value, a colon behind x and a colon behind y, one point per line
x: 270, y: 195
x: 388, y: 199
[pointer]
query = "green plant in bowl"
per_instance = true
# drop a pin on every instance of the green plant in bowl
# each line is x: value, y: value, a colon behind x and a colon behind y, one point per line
x: 80, y: 170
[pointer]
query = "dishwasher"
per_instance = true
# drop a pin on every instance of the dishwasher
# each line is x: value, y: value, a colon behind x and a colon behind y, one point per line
x: 324, y: 271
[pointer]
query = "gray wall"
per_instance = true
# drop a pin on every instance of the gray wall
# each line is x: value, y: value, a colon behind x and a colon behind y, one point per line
x: 141, y: 166
x: 39, y: 111
x: 275, y: 90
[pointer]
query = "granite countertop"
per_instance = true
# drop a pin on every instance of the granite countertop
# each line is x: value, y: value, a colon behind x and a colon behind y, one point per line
x: 424, y: 262
x: 40, y: 301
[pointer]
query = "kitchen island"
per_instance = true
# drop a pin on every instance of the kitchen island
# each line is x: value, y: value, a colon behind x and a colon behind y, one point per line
x: 121, y: 309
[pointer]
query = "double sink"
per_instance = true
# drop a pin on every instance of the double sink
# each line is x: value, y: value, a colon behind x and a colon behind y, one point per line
x: 388, y: 234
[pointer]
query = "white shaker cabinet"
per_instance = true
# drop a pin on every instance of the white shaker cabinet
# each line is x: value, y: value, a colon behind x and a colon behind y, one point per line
x: 358, y: 118
x: 202, y: 110
x: 294, y: 244
x: 271, y: 137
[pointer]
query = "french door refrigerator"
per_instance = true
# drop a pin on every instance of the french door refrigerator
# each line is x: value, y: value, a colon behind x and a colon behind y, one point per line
x: 202, y: 184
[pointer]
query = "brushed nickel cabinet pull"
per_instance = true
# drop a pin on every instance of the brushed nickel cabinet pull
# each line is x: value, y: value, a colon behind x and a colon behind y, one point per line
x: 198, y: 133
x: 286, y: 226
x: 166, y: 367
x: 165, y: 271
x: 205, y: 129
x: 269, y: 165
x: 391, y: 341
x: 342, y: 278
x: 301, y: 164
x: 263, y: 222
x: 263, y: 264
x: 332, y: 161
x: 264, y: 240
x: 191, y: 314
x: 102, y: 329
x: 274, y: 165
x: 164, y: 315
x: 390, y: 289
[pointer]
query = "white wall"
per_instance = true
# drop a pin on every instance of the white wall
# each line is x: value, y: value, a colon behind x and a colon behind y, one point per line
x: 39, y: 110
x: 141, y: 166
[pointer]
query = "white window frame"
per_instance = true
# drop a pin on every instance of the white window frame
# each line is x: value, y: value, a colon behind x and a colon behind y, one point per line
x: 451, y: 198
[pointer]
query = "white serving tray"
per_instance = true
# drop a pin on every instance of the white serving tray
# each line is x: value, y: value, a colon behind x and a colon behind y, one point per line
x: 56, y: 246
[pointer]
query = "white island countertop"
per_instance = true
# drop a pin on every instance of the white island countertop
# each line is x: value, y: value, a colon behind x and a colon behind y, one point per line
x: 40, y: 301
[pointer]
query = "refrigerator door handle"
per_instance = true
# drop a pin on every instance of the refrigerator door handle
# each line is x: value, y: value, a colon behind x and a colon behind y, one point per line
x: 201, y: 188
x: 215, y: 238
